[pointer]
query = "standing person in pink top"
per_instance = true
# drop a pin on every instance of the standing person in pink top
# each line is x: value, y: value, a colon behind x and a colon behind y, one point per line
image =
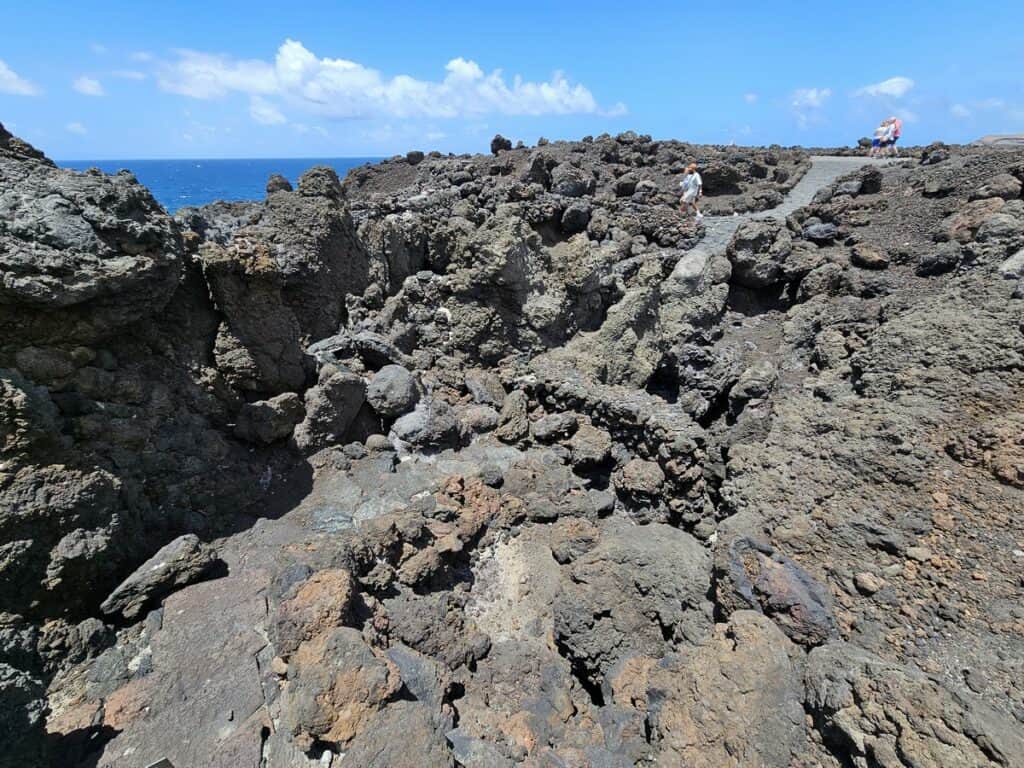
x: 895, y: 129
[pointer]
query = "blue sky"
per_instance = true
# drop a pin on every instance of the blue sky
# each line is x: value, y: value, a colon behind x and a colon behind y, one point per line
x: 112, y: 80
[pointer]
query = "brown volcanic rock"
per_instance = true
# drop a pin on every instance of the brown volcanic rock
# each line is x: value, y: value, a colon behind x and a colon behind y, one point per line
x: 336, y: 684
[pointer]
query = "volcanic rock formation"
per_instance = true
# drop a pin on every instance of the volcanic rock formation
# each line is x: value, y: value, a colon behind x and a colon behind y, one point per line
x: 502, y: 461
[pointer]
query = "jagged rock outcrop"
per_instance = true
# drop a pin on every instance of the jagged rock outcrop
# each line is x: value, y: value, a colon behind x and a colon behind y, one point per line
x: 510, y: 464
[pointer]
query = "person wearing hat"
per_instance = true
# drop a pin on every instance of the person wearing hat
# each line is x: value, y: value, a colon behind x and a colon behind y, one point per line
x: 692, y: 186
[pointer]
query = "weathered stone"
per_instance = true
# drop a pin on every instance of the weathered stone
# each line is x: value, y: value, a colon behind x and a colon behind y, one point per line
x: 432, y: 424
x: 751, y: 575
x: 331, y: 408
x: 184, y: 561
x: 266, y: 421
x: 393, y: 391
x: 336, y: 685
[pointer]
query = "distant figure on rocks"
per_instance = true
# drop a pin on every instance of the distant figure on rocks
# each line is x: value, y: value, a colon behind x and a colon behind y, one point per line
x: 692, y: 185
x: 877, y: 138
x: 885, y: 137
x: 892, y: 136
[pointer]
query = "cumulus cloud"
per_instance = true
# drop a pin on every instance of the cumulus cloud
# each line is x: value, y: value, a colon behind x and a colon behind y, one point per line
x: 75, y: 128
x: 813, y: 98
x: 894, y: 87
x: 140, y: 56
x: 13, y: 84
x: 88, y: 86
x: 959, y: 111
x: 262, y: 111
x: 339, y: 88
x: 750, y: 98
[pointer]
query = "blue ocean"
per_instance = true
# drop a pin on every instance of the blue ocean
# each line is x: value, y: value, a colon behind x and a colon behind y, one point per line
x: 177, y: 183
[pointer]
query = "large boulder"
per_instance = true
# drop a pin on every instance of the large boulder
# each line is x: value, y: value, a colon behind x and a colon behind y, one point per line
x: 309, y: 237
x: 752, y: 575
x: 331, y: 408
x: 570, y: 181
x: 500, y: 144
x: 266, y: 421
x: 757, y: 253
x: 393, y: 391
x: 336, y: 684
x: 258, y: 343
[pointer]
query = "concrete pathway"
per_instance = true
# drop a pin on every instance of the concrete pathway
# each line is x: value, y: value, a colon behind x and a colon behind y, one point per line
x: 824, y: 170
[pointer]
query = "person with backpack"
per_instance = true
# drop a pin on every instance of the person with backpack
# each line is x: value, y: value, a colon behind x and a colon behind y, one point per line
x: 692, y: 186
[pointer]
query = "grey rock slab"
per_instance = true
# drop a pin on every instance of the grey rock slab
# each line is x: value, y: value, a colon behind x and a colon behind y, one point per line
x: 203, y: 703
x: 183, y: 561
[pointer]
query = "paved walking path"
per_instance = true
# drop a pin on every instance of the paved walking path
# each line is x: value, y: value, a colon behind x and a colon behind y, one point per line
x: 824, y: 170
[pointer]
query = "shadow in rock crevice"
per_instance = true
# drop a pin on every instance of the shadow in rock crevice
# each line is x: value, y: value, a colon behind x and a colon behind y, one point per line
x: 80, y: 748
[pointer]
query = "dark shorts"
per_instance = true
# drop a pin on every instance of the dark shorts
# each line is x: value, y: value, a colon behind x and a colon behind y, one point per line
x: 876, y: 142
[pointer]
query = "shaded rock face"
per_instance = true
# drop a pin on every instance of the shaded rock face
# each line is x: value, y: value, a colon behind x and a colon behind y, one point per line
x: 128, y: 348
x: 508, y: 463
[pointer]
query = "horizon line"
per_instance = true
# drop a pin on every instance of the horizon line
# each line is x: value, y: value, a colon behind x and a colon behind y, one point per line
x: 205, y: 159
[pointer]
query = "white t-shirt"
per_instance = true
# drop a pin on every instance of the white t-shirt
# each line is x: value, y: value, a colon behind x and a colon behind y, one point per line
x: 691, y: 184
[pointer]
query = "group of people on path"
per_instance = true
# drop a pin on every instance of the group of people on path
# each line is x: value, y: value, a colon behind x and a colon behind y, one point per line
x: 883, y: 142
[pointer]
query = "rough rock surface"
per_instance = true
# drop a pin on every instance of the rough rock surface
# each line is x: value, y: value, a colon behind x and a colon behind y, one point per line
x: 183, y: 561
x: 508, y: 463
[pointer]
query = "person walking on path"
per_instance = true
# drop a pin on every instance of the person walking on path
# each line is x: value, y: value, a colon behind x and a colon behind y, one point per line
x: 692, y: 185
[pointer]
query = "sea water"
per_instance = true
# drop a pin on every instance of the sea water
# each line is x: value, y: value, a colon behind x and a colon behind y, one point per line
x: 177, y: 183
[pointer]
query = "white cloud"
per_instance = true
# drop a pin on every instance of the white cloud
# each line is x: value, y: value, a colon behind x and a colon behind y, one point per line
x: 75, y: 128
x: 303, y: 128
x: 810, y: 97
x: 98, y: 48
x: 435, y: 135
x: 129, y: 74
x: 991, y: 103
x: 264, y: 112
x: 140, y: 56
x: 750, y: 98
x: 959, y: 111
x: 12, y: 84
x: 88, y: 86
x: 339, y: 88
x: 895, y: 87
